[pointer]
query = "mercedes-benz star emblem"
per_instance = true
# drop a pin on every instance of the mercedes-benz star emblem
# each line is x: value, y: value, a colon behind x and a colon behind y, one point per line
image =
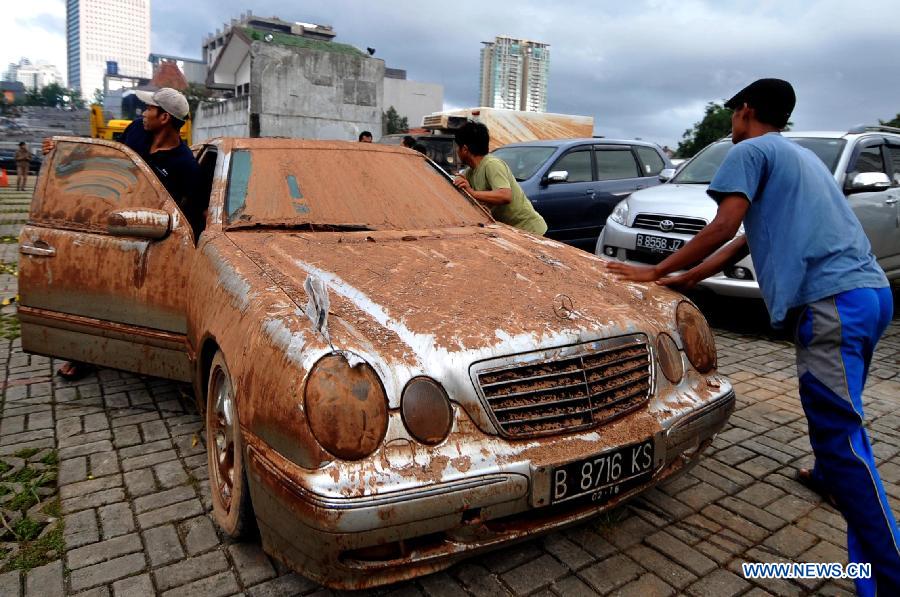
x: 563, y: 306
x: 666, y: 225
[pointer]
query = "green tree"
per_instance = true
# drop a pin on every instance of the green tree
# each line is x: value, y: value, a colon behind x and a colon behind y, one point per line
x: 53, y: 94
x: 196, y: 93
x: 894, y: 122
x: 392, y: 123
x: 98, y: 97
x: 716, y: 124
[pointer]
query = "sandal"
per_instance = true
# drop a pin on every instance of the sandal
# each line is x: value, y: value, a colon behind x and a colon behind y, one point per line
x: 806, y: 478
x: 74, y: 370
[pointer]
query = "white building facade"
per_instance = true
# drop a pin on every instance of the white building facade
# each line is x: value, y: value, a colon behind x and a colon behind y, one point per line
x: 33, y: 76
x: 103, y: 31
x: 514, y: 74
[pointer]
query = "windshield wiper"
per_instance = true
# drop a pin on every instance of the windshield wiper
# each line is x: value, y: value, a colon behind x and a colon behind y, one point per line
x: 310, y: 226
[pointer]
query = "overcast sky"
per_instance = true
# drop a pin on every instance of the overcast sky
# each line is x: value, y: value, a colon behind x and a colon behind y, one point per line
x: 642, y: 68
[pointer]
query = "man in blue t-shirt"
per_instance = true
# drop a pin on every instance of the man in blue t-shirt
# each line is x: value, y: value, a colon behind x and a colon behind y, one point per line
x: 816, y: 271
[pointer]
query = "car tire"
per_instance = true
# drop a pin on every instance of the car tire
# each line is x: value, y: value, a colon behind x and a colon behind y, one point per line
x: 230, y: 490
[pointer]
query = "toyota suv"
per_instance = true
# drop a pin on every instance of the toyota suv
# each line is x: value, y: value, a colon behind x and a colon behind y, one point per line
x: 575, y: 183
x: 651, y: 224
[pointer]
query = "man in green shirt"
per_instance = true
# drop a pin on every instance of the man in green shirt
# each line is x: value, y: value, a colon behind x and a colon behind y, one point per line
x: 490, y: 181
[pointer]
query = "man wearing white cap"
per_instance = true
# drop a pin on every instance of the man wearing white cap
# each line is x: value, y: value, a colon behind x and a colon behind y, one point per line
x: 156, y: 138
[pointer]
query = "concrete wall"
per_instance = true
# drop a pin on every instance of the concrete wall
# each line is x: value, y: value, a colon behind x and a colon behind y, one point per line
x: 313, y: 94
x: 413, y: 99
x: 230, y: 118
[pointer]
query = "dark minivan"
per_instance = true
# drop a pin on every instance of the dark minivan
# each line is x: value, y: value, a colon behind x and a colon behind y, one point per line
x: 575, y: 183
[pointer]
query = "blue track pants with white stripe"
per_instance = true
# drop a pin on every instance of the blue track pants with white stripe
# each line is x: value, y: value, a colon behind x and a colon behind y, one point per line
x: 835, y: 341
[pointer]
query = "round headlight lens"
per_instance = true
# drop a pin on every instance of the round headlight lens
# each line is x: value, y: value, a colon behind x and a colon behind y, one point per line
x: 698, y: 339
x: 669, y: 358
x: 346, y: 407
x: 426, y: 410
x: 620, y: 212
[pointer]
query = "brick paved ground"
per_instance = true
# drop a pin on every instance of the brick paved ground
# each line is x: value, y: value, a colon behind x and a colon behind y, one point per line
x: 132, y: 482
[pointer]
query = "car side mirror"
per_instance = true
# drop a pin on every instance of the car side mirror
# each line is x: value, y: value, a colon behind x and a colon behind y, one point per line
x: 153, y: 224
x: 868, y: 181
x: 666, y: 174
x: 556, y: 176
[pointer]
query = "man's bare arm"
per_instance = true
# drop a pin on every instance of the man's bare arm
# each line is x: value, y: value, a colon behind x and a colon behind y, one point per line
x: 718, y: 261
x: 494, y: 197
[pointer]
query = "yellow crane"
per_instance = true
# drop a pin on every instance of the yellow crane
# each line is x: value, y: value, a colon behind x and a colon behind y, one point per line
x: 112, y: 130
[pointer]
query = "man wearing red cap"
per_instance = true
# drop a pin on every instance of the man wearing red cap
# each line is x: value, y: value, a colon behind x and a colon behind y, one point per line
x: 819, y: 274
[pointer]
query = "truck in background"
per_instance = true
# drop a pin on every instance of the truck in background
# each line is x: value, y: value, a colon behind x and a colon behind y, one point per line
x: 505, y: 126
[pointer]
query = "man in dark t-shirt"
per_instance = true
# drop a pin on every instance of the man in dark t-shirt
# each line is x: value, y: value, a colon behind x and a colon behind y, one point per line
x: 156, y: 138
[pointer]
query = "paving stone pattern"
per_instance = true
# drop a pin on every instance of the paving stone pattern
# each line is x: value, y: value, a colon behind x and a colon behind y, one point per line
x: 136, y: 504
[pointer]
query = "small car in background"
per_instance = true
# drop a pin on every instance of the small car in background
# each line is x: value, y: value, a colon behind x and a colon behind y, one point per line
x: 575, y: 183
x: 438, y: 147
x: 375, y: 402
x: 652, y: 224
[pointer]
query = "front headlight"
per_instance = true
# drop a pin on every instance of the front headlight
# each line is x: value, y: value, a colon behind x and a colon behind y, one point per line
x: 346, y: 407
x: 619, y: 214
x: 669, y: 358
x: 699, y: 342
x: 426, y: 410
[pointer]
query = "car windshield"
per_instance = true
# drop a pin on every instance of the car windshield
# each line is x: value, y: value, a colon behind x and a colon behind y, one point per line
x: 702, y: 168
x: 524, y: 161
x: 328, y: 186
x: 828, y: 150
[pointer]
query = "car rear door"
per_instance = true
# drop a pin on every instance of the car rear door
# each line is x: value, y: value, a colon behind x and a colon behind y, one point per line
x: 90, y: 293
x: 618, y: 175
x: 877, y: 210
x: 892, y: 261
x: 566, y: 206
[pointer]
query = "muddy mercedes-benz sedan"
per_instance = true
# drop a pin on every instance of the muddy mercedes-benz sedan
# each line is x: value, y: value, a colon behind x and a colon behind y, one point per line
x: 391, y: 381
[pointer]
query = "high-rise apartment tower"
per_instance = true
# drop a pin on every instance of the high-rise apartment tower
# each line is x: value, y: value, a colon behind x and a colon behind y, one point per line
x: 106, y: 31
x: 514, y: 74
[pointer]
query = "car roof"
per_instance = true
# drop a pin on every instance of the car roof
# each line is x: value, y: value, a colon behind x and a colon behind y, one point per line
x: 581, y: 141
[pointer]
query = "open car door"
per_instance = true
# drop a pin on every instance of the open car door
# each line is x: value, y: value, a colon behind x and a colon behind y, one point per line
x: 104, y: 262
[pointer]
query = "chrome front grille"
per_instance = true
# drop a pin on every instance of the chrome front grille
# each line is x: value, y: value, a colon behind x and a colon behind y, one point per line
x: 680, y: 224
x: 565, y: 389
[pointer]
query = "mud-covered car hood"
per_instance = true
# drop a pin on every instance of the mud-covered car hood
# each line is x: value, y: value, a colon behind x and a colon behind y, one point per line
x: 688, y: 200
x: 415, y: 293
x: 436, y: 302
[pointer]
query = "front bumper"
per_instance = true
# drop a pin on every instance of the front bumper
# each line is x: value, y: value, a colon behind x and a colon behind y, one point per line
x: 359, y: 542
x: 622, y: 240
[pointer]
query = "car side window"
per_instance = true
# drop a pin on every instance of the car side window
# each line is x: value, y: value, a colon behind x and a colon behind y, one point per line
x: 87, y: 181
x: 869, y: 160
x: 577, y: 163
x: 651, y: 163
x: 894, y: 154
x: 615, y: 164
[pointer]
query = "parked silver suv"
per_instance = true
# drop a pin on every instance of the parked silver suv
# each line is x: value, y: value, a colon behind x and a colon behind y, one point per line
x: 651, y: 224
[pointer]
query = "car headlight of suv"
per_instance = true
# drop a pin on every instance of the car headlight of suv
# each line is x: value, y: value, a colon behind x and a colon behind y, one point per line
x: 619, y: 214
x: 426, y: 410
x: 699, y: 342
x: 346, y: 407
